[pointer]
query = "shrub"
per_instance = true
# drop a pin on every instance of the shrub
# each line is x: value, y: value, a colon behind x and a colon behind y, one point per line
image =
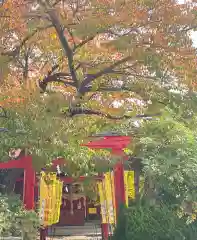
x: 152, y: 223
x: 15, y: 220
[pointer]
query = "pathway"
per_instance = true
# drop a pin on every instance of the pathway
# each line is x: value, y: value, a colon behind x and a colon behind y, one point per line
x: 90, y: 231
x: 74, y: 238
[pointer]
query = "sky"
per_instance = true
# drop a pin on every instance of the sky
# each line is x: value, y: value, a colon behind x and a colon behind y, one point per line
x: 193, y: 34
x: 194, y: 38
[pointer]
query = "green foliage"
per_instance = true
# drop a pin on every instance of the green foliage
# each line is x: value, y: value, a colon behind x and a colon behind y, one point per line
x: 190, y: 231
x: 120, y: 230
x: 90, y: 189
x: 39, y: 128
x: 152, y: 223
x: 15, y: 221
x: 168, y: 150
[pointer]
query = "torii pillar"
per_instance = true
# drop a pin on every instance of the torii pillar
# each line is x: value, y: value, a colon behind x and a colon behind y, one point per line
x: 117, y: 145
x: 25, y: 163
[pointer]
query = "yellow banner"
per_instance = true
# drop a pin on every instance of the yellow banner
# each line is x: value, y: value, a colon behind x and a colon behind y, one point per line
x: 57, y: 190
x: 107, y: 194
x: 102, y: 202
x: 126, y: 187
x: 109, y: 197
x: 113, y: 195
x: 131, y: 185
x: 50, y: 198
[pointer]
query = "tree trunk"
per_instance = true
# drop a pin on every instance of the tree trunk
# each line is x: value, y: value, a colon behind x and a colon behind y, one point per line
x: 149, y: 190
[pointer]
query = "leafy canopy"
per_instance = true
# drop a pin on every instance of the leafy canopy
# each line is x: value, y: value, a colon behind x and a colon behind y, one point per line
x: 37, y: 126
x: 104, y: 59
x: 168, y: 150
x: 101, y: 52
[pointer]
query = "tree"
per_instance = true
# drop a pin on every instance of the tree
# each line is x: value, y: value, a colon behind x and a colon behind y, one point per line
x: 37, y: 126
x: 107, y: 60
x: 102, y: 51
x: 167, y: 149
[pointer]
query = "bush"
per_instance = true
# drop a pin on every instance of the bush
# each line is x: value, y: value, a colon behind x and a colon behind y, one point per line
x: 15, y: 221
x: 190, y: 231
x: 152, y: 223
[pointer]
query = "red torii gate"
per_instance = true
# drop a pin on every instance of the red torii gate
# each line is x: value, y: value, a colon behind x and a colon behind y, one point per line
x: 117, y: 145
x: 29, y: 180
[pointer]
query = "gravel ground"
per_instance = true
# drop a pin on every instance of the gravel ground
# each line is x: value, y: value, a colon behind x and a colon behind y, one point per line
x: 74, y: 238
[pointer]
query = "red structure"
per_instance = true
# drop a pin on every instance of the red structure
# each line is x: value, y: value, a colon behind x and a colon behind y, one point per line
x: 25, y: 163
x: 116, y: 144
x: 29, y: 180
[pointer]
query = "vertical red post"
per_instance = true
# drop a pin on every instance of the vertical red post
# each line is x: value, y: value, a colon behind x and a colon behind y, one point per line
x: 116, y: 144
x: 105, y: 231
x: 119, y: 180
x: 29, y: 188
x: 29, y: 178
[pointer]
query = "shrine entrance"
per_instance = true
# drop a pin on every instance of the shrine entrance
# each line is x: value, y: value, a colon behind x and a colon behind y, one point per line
x: 77, y: 207
x: 79, y: 214
x: 73, y: 208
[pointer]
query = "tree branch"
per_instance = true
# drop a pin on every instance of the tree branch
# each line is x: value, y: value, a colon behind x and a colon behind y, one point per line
x: 68, y: 51
x: 83, y: 42
x: 118, y: 89
x: 113, y: 89
x: 82, y: 111
x: 57, y: 77
x: 92, y: 77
